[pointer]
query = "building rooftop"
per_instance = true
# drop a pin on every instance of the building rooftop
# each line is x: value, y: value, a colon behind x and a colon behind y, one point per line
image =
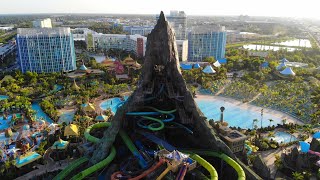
x: 43, y: 31
x: 207, y: 29
x: 6, y: 47
x: 234, y: 135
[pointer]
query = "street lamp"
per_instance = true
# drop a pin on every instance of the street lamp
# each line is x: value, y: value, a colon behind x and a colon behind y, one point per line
x: 261, y: 117
x: 221, y: 117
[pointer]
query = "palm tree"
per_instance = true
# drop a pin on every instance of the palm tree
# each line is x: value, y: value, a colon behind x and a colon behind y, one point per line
x: 284, y: 121
x: 253, y: 122
x: 270, y: 120
x: 297, y: 176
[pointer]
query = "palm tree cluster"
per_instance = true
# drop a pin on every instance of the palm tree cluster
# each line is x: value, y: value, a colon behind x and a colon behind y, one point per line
x: 241, y: 90
x: 290, y: 97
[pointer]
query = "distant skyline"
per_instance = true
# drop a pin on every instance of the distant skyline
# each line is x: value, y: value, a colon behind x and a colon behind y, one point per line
x: 274, y: 8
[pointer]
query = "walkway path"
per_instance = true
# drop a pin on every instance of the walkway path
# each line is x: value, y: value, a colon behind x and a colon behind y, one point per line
x: 223, y: 88
x: 42, y: 169
x: 47, y: 157
x: 254, y: 98
x: 269, y: 158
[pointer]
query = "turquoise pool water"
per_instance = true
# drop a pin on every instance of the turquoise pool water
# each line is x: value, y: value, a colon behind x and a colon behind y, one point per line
x: 283, y: 137
x: 234, y: 115
x: 66, y: 117
x: 27, y: 159
x: 4, y: 123
x: 111, y: 103
x: 40, y: 114
x: 60, y: 145
x: 3, y: 97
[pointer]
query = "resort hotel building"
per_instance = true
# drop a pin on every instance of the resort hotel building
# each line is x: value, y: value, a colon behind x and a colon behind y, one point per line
x: 45, y: 50
x: 205, y: 42
x: 142, y: 30
x: 42, y: 23
x: 178, y: 21
x: 135, y: 43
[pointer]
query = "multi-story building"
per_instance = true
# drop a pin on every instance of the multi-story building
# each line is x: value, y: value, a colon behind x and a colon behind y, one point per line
x: 205, y: 42
x: 79, y: 34
x: 7, y: 49
x: 182, y: 47
x: 135, y: 43
x: 45, y: 50
x: 178, y: 20
x: 142, y: 30
x: 42, y: 23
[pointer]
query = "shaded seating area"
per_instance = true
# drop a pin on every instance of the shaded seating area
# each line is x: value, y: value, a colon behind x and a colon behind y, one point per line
x: 27, y: 159
x: 209, y: 70
x: 60, y: 145
x: 101, y: 118
x: 71, y: 130
x: 288, y: 71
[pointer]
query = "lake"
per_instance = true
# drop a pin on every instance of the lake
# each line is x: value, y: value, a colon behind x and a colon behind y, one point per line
x: 296, y: 42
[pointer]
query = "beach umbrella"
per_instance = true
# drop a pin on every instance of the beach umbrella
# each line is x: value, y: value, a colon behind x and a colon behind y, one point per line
x: 304, y: 146
x: 316, y: 135
x: 196, y: 66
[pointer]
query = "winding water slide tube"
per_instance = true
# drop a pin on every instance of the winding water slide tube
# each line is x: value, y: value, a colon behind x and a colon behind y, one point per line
x: 227, y: 159
x: 206, y: 165
x: 158, y: 123
x: 169, y: 147
x: 118, y: 175
x: 133, y: 148
x: 80, y: 161
x: 64, y: 173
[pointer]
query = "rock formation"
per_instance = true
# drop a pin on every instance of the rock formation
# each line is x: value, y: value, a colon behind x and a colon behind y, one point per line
x: 162, y: 86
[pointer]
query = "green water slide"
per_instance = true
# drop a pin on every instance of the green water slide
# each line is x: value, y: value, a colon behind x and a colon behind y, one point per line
x: 227, y: 159
x: 206, y: 165
x: 70, y: 168
x: 95, y: 167
x: 95, y: 126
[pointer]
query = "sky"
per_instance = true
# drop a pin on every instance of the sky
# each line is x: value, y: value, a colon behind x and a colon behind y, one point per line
x: 276, y: 8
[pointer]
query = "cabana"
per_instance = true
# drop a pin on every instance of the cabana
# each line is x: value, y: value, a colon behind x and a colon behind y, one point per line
x: 217, y: 64
x: 209, y: 70
x: 196, y: 66
x: 222, y: 61
x: 101, y: 118
x: 60, y: 145
x: 284, y: 60
x: 83, y: 69
x: 281, y: 66
x: 71, y: 130
x: 88, y: 108
x: 288, y: 71
x: 128, y: 61
x: 75, y: 86
x: 186, y: 66
x: 27, y: 159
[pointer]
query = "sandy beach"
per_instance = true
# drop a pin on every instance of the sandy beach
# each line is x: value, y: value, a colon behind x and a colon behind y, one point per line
x: 242, y: 105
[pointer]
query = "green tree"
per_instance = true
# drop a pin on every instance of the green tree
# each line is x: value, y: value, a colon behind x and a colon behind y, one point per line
x: 297, y: 176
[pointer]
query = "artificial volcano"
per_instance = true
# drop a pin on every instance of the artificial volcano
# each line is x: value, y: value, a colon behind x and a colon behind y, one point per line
x: 162, y: 86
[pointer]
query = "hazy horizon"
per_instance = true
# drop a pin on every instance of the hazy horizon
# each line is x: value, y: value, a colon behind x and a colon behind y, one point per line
x: 271, y: 8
